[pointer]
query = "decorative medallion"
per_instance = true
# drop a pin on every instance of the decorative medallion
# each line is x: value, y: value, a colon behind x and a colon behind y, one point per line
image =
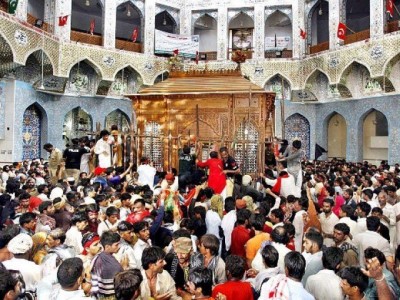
x: 377, y: 52
x: 333, y: 62
x: 20, y: 37
x: 258, y: 71
x: 108, y: 61
x: 148, y: 66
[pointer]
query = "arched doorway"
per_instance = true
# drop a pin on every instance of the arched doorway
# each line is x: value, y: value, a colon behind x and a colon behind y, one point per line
x: 206, y: 27
x: 318, y: 27
x: 118, y: 118
x: 278, y: 35
x: 77, y: 123
x: 87, y: 22
x: 337, y: 136
x: 357, y: 20
x: 375, y: 137
x: 246, y: 148
x: 297, y: 127
x: 241, y: 33
x: 165, y: 22
x: 32, y: 132
x: 129, y: 30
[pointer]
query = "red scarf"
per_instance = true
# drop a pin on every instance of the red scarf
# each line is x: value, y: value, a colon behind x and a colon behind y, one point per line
x: 277, y: 187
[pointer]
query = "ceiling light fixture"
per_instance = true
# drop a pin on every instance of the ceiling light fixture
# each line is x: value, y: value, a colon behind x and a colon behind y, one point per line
x: 87, y: 3
x: 128, y: 13
x: 164, y: 21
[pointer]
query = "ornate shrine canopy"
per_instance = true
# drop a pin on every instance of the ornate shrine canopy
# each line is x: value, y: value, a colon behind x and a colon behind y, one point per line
x: 222, y: 84
x: 218, y: 109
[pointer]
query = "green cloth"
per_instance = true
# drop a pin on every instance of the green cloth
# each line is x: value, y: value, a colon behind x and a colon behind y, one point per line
x: 12, y: 6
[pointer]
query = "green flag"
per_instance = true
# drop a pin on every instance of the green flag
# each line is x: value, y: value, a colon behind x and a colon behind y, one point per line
x: 12, y: 6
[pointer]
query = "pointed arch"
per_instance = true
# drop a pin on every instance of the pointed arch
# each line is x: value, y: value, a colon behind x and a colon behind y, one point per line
x: 160, y: 76
x: 297, y: 127
x: 7, y: 42
x: 318, y: 17
x: 335, y: 128
x: 119, y: 118
x: 32, y: 51
x: 373, y: 127
x: 90, y: 62
x: 239, y: 14
x: 206, y: 27
x: 318, y: 84
x: 312, y: 76
x: 356, y: 77
x: 34, y: 131
x: 127, y: 65
x: 281, y: 22
x: 274, y: 83
x: 137, y: 5
x: 280, y: 75
x: 164, y: 21
x: 391, y: 71
x: 347, y: 67
x: 77, y: 122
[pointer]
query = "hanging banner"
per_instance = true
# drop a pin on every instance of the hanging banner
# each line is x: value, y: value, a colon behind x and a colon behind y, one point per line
x: 277, y: 43
x: 166, y: 43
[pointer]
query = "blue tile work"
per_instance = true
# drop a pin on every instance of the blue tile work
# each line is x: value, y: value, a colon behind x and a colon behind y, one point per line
x: 54, y: 108
x: 2, y: 109
x: 31, y: 132
x: 297, y: 127
x: 354, y: 112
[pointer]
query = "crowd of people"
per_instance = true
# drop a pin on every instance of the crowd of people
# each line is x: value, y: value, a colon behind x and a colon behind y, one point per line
x: 298, y: 230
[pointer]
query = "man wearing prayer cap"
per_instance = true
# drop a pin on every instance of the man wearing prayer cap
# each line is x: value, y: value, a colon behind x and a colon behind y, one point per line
x: 20, y: 246
x: 179, y: 262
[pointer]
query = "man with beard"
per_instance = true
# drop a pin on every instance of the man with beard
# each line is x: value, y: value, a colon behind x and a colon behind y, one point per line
x: 328, y: 220
x: 341, y: 234
x: 178, y: 262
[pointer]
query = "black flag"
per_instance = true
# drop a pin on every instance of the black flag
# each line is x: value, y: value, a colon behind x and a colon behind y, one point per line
x: 319, y: 151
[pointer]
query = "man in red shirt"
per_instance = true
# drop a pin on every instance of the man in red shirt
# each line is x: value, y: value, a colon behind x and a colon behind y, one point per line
x: 241, y: 234
x: 234, y: 288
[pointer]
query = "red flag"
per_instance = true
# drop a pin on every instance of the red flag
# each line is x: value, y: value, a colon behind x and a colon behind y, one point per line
x: 176, y: 52
x: 341, y: 31
x: 303, y: 34
x: 390, y: 8
x: 92, y: 24
x: 135, y: 34
x: 62, y: 20
x: 197, y: 57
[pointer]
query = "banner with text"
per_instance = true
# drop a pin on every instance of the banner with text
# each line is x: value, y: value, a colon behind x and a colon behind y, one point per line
x: 166, y: 43
x: 279, y: 42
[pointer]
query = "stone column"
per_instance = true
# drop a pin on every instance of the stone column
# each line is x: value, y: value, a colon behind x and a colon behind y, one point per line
x: 334, y: 19
x: 109, y: 23
x: 222, y: 35
x: 150, y: 10
x: 259, y: 30
x: 376, y: 17
x: 63, y: 8
x: 185, y: 17
x: 298, y: 20
x: 49, y: 8
x: 22, y: 10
